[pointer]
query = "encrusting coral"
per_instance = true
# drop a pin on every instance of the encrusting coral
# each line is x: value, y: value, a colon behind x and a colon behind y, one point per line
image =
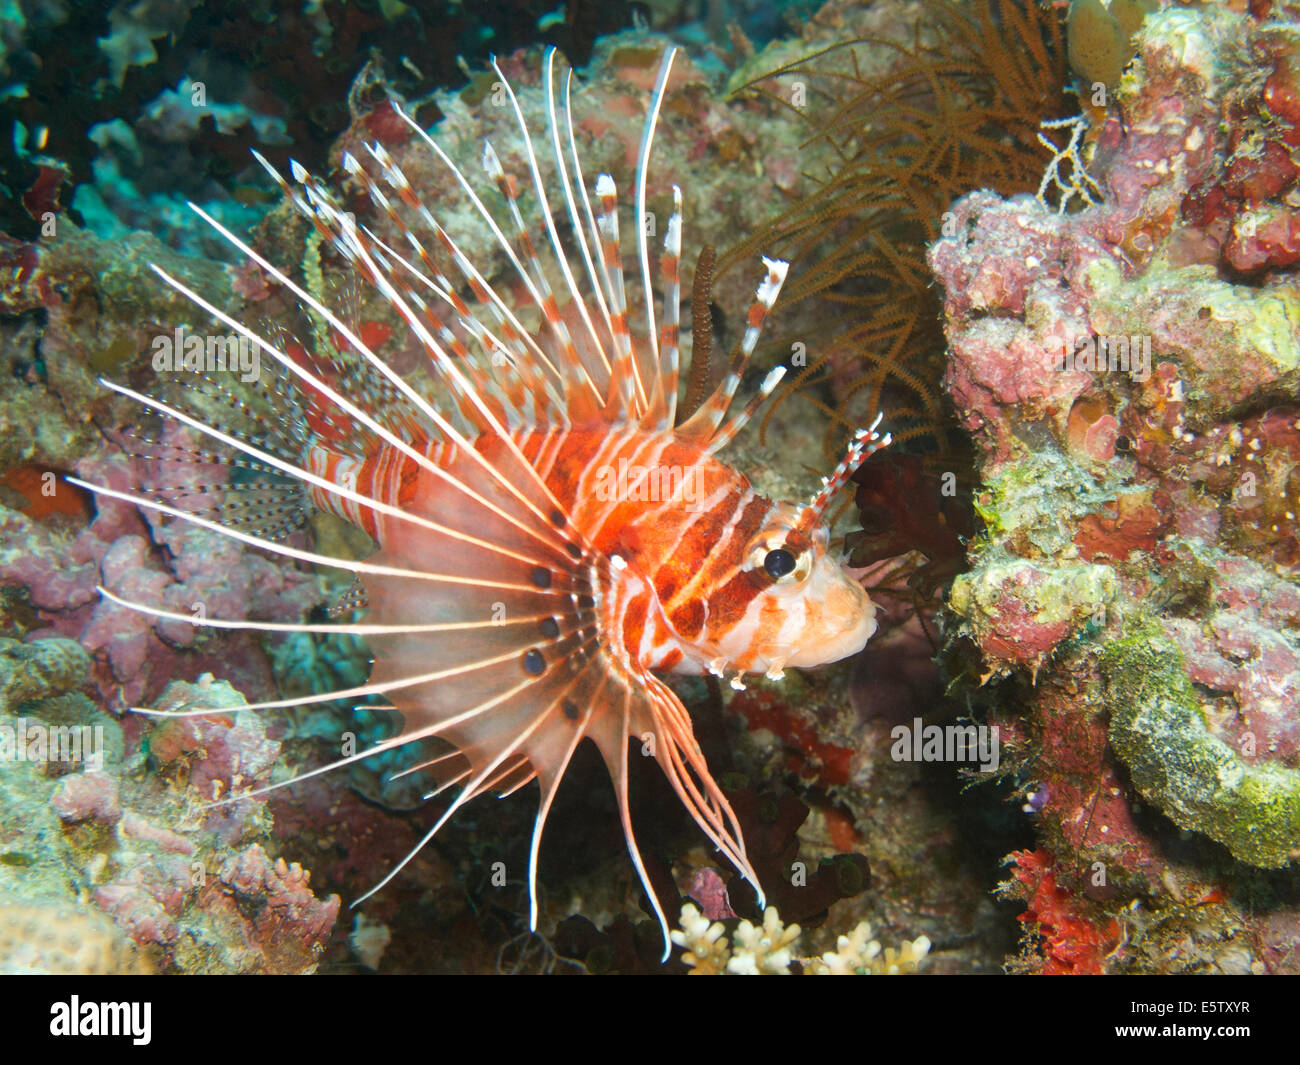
x: 61, y: 939
x: 115, y: 862
x: 1129, y: 565
x: 129, y: 838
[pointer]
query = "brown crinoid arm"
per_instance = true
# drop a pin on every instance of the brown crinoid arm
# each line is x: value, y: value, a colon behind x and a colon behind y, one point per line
x: 954, y: 106
x: 701, y: 331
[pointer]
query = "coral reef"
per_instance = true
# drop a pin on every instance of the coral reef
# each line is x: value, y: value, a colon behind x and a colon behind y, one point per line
x: 40, y: 669
x: 139, y: 105
x: 901, y: 115
x: 216, y: 889
x: 1101, y: 37
x: 1128, y: 372
x: 1121, y: 352
x: 1071, y: 943
x: 1157, y: 727
x: 163, y: 881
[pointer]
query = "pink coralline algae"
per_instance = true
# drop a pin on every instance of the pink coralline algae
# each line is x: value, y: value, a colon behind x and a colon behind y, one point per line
x: 1244, y: 657
x: 1248, y: 204
x: 199, y: 876
x: 100, y: 308
x: 290, y: 925
x: 145, y: 558
x: 201, y: 888
x: 709, y: 891
x: 1129, y: 374
x: 215, y: 755
x: 88, y: 797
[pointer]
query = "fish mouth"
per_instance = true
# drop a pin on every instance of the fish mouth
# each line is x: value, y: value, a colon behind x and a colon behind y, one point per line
x: 850, y: 641
x: 855, y: 639
x: 853, y: 603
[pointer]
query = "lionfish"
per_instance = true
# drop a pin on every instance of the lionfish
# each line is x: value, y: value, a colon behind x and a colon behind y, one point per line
x: 514, y: 607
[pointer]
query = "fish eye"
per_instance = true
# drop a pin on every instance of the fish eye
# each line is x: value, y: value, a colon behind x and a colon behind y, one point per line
x: 778, y: 563
x: 784, y: 561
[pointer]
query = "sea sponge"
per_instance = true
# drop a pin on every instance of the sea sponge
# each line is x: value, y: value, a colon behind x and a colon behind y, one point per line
x: 1101, y: 37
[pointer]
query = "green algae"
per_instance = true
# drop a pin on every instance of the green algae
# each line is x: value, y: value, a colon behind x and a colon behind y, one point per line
x: 1235, y: 343
x: 1032, y: 505
x: 1020, y: 612
x: 112, y: 357
x: 1262, y: 320
x: 1200, y: 782
x: 1060, y: 592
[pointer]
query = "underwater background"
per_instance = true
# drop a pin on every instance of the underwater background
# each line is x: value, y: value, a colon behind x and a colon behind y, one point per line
x: 1054, y: 245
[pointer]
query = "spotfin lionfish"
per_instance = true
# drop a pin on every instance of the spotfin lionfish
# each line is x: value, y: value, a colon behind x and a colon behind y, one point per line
x: 515, y: 607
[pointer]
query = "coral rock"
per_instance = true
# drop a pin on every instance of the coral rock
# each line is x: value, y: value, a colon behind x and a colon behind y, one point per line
x: 63, y: 940
x: 87, y: 797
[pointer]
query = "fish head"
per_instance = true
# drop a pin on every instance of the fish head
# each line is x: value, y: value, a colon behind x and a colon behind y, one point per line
x: 803, y: 608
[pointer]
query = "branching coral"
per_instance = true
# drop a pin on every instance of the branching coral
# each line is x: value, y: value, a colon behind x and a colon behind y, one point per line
x: 857, y: 953
x: 1067, y: 172
x: 769, y: 949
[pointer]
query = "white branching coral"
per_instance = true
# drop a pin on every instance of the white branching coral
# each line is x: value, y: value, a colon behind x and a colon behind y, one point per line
x: 703, y: 944
x: 853, y: 952
x: 859, y: 953
x: 769, y: 949
x: 1075, y: 181
x: 763, y: 951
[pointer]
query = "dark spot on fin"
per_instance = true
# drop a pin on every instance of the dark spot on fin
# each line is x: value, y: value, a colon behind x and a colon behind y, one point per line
x: 352, y: 599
